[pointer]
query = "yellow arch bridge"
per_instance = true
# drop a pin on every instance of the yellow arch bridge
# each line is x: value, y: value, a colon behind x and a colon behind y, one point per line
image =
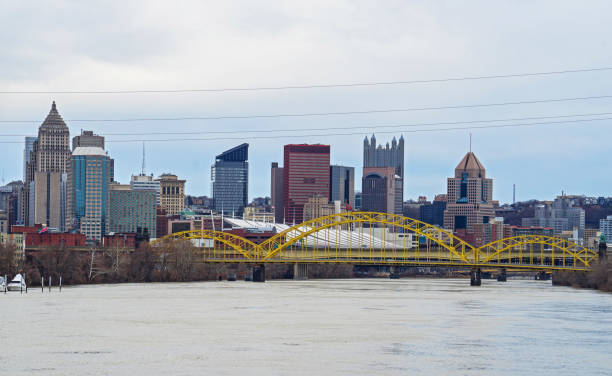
x: 370, y: 238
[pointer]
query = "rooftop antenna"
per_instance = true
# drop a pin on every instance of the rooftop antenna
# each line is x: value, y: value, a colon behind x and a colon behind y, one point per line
x: 143, y: 158
x: 470, y: 142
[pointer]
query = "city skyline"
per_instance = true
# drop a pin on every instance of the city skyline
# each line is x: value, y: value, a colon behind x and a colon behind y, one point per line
x: 436, y: 45
x: 263, y: 193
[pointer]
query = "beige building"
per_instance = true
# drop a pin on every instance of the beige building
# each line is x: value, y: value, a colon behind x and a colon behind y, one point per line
x: 49, y: 208
x: 258, y: 214
x: 469, y: 196
x: 171, y: 193
x: 46, y: 173
x: 318, y: 206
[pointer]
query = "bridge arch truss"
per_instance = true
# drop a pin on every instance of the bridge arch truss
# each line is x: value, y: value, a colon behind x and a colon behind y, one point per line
x: 387, y: 239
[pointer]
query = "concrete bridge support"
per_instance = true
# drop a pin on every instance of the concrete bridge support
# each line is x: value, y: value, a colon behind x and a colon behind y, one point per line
x: 475, y: 277
x: 300, y: 271
x: 501, y: 276
x: 259, y: 273
x: 394, y: 272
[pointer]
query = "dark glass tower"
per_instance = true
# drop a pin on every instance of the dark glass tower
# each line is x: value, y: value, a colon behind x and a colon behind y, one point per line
x: 230, y: 180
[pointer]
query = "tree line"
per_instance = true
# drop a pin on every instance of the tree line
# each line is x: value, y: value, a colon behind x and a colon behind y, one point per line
x: 174, y: 260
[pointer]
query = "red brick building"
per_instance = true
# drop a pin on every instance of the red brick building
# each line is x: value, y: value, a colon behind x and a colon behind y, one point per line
x: 63, y: 240
x: 305, y: 174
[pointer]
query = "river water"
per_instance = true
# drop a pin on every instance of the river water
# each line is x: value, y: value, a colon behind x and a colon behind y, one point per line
x: 316, y: 327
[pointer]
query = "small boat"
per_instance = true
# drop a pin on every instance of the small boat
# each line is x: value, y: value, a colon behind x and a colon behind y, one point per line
x: 17, y: 284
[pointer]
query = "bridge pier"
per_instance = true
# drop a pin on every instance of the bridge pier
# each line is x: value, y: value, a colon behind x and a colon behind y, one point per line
x: 259, y: 273
x: 502, y: 276
x: 394, y: 272
x: 475, y: 277
x: 300, y: 271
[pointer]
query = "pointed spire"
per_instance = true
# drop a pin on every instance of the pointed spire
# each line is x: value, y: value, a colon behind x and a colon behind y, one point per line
x: 53, y: 119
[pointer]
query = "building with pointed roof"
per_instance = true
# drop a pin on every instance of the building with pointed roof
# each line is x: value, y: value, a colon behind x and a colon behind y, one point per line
x: 46, y: 173
x: 382, y: 184
x: 469, y: 196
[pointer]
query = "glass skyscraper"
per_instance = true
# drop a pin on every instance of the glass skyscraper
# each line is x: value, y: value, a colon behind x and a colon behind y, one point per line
x: 89, y: 179
x: 230, y: 180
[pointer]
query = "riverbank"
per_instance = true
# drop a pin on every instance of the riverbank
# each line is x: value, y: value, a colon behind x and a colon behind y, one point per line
x: 599, y: 277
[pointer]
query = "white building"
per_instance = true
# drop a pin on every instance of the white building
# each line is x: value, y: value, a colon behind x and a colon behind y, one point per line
x: 605, y: 226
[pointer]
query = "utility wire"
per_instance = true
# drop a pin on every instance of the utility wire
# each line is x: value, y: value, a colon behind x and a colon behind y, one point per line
x: 319, y: 86
x: 340, y: 113
x: 364, y: 133
x: 561, y: 122
x: 285, y: 130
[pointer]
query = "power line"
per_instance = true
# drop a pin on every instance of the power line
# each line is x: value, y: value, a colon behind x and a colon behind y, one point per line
x: 371, y: 126
x: 364, y: 133
x: 561, y: 122
x: 316, y: 86
x: 340, y: 113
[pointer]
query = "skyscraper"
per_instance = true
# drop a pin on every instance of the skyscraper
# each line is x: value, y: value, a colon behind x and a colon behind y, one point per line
x: 383, y: 176
x: 276, y: 192
x: 47, y: 168
x: 89, y: 139
x: 469, y: 196
x: 88, y: 197
x: 380, y: 188
x: 230, y: 180
x: 305, y: 174
x: 27, y: 151
x: 342, y: 185
x: 28, y: 176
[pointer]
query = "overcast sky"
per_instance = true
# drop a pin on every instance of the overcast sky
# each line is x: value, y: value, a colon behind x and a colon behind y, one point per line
x: 150, y: 45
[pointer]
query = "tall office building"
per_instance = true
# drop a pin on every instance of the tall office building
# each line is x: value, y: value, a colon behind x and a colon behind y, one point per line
x: 342, y: 185
x: 88, y: 194
x: 230, y: 180
x: 305, y: 174
x: 383, y: 176
x: 469, y: 196
x: 276, y: 192
x: 144, y: 182
x: 27, y: 151
x: 131, y: 209
x: 24, y: 196
x: 89, y: 139
x: 172, y: 193
x: 381, y: 190
x: 47, y: 168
